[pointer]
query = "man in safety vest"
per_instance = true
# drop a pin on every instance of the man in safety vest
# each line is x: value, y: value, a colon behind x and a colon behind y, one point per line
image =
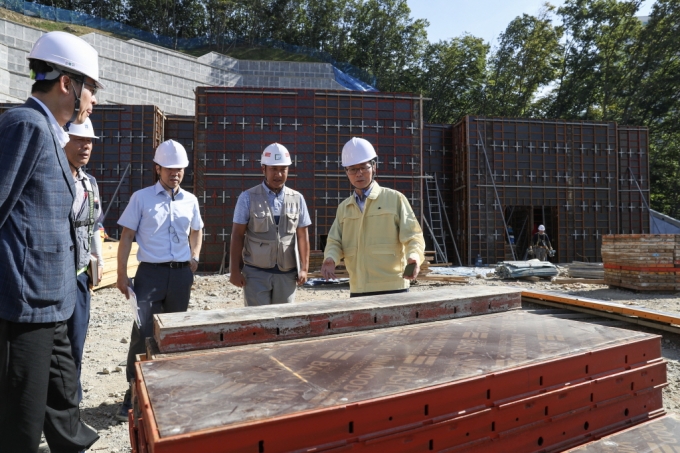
x: 269, y: 238
x: 540, y: 245
x: 375, y: 230
x: 86, y: 211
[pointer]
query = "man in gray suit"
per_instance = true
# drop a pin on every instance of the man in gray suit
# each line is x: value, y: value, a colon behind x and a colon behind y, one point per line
x: 38, y: 381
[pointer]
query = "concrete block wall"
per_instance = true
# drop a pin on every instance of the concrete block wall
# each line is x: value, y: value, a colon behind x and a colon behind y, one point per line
x: 135, y: 72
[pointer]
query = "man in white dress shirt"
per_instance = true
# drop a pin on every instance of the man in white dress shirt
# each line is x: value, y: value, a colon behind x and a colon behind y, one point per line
x: 167, y: 224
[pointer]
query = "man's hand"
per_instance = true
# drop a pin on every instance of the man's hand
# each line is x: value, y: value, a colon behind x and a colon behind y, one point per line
x: 236, y: 278
x: 413, y: 259
x: 193, y: 265
x: 301, y: 278
x: 328, y: 269
x: 122, y: 285
x: 100, y: 274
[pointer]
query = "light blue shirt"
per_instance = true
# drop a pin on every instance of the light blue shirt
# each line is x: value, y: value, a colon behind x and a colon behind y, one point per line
x: 242, y: 210
x: 162, y: 225
x: 362, y: 201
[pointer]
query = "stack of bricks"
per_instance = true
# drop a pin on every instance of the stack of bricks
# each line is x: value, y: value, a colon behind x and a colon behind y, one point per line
x: 643, y: 262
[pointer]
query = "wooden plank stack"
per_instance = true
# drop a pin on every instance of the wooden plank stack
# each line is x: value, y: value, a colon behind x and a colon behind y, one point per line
x: 642, y: 262
x: 110, y: 254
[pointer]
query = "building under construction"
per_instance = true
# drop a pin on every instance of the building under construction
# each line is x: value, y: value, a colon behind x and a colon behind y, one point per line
x: 471, y: 183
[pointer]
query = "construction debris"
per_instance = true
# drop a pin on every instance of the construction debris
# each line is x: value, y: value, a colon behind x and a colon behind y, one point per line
x: 531, y: 268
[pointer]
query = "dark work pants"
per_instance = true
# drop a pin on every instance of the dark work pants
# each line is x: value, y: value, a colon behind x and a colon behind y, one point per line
x: 77, y: 325
x: 158, y: 289
x: 38, y: 390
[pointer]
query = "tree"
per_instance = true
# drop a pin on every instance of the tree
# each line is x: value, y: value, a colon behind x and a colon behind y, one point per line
x: 451, y: 75
x: 526, y: 61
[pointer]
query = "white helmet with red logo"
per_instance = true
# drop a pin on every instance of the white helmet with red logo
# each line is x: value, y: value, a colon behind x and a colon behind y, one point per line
x: 276, y: 154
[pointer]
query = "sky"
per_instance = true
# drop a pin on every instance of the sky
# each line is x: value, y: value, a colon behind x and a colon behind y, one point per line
x: 482, y: 18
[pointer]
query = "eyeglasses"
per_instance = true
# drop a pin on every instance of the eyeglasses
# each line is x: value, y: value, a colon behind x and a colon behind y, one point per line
x: 93, y: 88
x: 355, y: 170
x: 175, y: 238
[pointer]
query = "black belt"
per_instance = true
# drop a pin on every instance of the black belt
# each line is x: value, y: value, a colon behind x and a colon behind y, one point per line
x: 170, y: 264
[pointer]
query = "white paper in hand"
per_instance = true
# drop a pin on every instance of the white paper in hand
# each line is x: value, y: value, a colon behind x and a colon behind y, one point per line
x: 134, y: 307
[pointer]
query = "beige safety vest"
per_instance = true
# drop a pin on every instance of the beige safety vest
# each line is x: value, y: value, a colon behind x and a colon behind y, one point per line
x: 266, y: 243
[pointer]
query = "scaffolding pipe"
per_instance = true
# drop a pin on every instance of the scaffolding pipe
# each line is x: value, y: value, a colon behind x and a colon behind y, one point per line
x: 498, y: 200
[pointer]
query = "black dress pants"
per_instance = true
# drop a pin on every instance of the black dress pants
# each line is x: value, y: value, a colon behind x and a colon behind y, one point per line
x: 38, y: 390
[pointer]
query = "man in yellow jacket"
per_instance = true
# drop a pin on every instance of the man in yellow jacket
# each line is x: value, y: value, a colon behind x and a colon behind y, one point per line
x: 375, y: 230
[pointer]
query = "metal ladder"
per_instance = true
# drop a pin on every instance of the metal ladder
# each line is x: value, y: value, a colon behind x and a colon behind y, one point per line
x: 435, y: 219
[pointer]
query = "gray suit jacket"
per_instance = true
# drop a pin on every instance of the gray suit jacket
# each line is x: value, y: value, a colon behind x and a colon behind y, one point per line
x: 37, y: 234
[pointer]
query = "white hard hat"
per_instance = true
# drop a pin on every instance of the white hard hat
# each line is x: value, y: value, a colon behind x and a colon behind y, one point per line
x: 171, y: 154
x: 82, y: 130
x: 357, y: 151
x: 276, y: 154
x: 67, y: 52
x: 541, y: 228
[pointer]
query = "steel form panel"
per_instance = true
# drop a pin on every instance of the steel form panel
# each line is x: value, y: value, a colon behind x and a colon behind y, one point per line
x: 181, y: 129
x: 550, y: 417
x: 233, y: 125
x: 175, y: 332
x: 374, y: 384
x: 661, y: 434
x: 633, y: 152
x: 559, y: 173
x: 438, y: 161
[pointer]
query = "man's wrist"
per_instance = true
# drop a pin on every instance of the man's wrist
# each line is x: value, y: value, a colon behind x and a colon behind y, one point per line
x: 193, y: 258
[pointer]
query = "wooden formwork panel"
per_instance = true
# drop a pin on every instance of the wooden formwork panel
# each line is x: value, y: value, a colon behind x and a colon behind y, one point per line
x: 369, y: 385
x: 175, y: 332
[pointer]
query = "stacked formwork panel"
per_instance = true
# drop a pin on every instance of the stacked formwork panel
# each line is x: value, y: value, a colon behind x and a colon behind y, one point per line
x: 128, y: 136
x: 563, y: 174
x: 633, y: 155
x: 181, y: 129
x: 234, y: 125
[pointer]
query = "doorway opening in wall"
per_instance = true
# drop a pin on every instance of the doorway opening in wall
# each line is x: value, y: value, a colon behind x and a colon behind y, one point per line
x: 523, y: 223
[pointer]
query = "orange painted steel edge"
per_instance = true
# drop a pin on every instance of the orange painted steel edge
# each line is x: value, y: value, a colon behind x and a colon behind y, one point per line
x: 601, y: 305
x: 214, y: 438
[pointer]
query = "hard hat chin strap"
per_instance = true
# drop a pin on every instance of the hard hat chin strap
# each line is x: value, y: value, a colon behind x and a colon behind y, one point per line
x: 76, y: 107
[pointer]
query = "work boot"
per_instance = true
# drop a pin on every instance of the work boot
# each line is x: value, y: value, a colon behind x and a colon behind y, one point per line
x: 125, y: 407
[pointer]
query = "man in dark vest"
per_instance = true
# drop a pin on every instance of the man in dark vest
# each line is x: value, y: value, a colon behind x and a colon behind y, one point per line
x: 269, y: 230
x: 540, y: 244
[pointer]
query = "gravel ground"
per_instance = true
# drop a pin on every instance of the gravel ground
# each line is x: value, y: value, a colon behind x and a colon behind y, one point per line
x: 107, y: 342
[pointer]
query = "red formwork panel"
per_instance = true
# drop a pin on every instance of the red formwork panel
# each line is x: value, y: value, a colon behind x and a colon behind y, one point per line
x: 556, y: 422
x: 658, y: 435
x: 634, y: 180
x: 333, y: 391
x: 189, y: 331
x: 128, y: 135
x: 234, y: 125
x: 563, y: 174
x: 181, y: 129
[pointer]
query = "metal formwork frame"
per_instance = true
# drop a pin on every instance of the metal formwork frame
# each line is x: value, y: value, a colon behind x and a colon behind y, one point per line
x: 560, y: 173
x: 234, y: 125
x: 181, y: 129
x: 633, y: 153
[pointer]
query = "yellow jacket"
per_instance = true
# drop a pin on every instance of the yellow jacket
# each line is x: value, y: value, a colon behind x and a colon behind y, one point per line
x: 376, y: 243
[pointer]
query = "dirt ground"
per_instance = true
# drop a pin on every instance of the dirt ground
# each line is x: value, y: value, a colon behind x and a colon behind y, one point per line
x: 107, y: 342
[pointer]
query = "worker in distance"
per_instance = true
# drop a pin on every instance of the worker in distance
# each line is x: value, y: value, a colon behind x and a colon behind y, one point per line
x: 375, y: 230
x: 86, y: 211
x: 165, y: 220
x: 269, y: 255
x: 38, y: 252
x: 540, y: 246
